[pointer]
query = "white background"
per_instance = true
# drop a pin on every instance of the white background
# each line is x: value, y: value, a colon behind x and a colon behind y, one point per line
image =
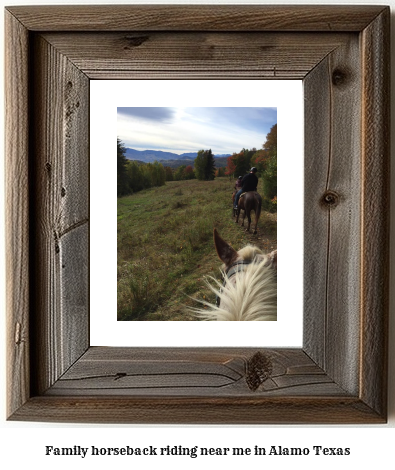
x: 23, y: 444
x: 287, y: 96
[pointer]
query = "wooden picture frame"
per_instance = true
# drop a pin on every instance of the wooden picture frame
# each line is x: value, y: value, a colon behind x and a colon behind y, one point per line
x: 340, y: 374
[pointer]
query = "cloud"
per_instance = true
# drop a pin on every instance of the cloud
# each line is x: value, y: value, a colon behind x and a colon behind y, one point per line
x: 148, y: 113
x: 251, y: 119
x: 223, y: 129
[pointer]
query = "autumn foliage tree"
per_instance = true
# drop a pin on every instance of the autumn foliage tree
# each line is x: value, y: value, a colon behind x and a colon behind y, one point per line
x: 269, y: 175
x: 271, y: 141
x: 189, y: 174
x: 230, y: 167
x: 265, y: 160
x: 259, y: 160
x: 239, y: 163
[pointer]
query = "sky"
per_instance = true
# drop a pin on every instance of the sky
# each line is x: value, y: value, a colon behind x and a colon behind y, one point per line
x: 180, y: 130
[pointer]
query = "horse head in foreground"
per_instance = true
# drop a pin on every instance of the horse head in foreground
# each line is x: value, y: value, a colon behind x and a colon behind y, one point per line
x: 249, y: 290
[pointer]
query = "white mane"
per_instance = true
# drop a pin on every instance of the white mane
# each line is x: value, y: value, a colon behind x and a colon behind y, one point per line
x: 251, y: 295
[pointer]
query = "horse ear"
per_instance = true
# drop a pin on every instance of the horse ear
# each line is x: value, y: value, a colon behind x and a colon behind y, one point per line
x: 225, y: 252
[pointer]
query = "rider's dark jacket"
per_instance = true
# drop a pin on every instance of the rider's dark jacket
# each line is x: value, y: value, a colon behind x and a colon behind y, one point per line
x: 249, y: 182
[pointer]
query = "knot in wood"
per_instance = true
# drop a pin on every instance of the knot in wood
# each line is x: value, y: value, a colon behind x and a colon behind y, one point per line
x: 135, y: 41
x: 339, y: 77
x: 330, y: 199
x: 259, y: 369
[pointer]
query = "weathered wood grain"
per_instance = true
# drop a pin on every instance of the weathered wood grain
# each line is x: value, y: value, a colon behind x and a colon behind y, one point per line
x: 196, y: 55
x: 122, y: 385
x: 60, y: 179
x: 198, y: 410
x: 74, y: 295
x: 317, y: 113
x: 332, y: 202
x: 17, y: 212
x: 339, y: 376
x: 375, y: 211
x: 198, y: 372
x: 196, y: 17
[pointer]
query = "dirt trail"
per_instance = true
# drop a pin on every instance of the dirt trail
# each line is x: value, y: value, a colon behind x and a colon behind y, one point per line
x: 266, y: 238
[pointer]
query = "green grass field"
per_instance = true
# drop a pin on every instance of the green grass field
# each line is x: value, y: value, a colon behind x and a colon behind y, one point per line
x: 165, y: 246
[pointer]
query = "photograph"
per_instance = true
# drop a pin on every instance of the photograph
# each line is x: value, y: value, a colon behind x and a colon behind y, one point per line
x: 197, y: 213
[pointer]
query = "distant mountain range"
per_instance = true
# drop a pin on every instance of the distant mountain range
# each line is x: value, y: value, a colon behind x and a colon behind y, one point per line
x: 148, y: 156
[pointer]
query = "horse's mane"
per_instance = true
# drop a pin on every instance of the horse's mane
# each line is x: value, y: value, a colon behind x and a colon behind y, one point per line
x: 253, y: 295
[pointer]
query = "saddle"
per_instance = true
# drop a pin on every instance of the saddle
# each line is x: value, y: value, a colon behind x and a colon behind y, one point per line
x: 245, y: 192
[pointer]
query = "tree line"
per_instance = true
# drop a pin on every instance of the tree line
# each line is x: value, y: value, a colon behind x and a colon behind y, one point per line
x: 265, y: 160
x: 203, y: 168
x: 134, y: 176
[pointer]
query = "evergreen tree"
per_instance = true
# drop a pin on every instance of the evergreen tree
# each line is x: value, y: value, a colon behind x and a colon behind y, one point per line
x: 209, y: 169
x: 205, y: 165
x: 122, y: 177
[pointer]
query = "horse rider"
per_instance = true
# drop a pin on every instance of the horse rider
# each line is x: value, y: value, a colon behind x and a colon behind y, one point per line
x: 249, y: 182
x: 238, y: 183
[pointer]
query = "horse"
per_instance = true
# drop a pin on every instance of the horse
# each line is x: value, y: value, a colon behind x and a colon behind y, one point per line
x: 249, y: 289
x: 249, y: 201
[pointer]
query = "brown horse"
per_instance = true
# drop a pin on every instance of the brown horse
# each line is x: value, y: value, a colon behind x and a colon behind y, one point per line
x: 250, y: 201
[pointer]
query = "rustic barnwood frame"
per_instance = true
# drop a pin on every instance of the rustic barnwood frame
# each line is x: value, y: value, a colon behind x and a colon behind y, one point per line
x: 342, y: 55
